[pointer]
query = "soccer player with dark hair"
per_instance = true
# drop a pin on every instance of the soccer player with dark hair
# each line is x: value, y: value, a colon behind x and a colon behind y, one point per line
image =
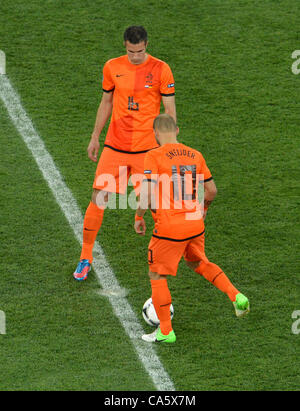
x: 133, y: 87
x: 173, y: 174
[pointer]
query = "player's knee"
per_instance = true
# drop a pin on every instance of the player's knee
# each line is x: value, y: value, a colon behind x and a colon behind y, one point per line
x: 209, y: 270
x: 100, y: 198
x: 155, y: 276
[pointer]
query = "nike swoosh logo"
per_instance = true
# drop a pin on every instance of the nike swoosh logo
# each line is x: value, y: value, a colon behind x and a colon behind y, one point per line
x: 120, y: 75
x: 87, y: 229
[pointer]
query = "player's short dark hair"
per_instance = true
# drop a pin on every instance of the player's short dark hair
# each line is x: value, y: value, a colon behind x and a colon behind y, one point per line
x: 135, y: 34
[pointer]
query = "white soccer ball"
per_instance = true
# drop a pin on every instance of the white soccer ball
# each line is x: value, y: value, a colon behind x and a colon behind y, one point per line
x: 150, y: 315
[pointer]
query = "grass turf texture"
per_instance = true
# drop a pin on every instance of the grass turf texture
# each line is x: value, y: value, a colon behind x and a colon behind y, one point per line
x: 237, y: 102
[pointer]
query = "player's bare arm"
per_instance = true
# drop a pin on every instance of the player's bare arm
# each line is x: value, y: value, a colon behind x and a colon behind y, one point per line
x: 170, y: 106
x: 103, y: 114
x: 210, y: 192
x: 144, y: 203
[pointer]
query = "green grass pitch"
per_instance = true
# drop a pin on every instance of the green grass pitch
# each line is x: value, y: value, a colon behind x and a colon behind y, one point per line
x: 238, y: 103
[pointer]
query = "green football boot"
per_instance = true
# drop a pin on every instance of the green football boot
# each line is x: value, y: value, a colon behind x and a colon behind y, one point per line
x: 241, y: 305
x: 159, y: 337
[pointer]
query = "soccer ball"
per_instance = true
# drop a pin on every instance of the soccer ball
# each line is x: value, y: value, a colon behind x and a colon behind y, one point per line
x: 150, y: 315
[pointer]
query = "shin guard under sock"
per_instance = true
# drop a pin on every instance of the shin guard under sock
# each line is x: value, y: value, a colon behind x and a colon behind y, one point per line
x: 91, y: 225
x: 218, y: 278
x: 161, y: 298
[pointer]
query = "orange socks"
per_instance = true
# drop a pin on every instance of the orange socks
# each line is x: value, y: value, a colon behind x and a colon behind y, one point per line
x: 217, y: 277
x: 161, y: 298
x: 91, y: 225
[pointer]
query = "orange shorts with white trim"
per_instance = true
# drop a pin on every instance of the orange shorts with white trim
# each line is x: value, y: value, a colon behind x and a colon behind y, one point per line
x: 164, y: 254
x: 114, y: 169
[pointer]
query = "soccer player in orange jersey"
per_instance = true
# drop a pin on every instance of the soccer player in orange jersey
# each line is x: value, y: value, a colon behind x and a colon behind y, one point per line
x: 133, y: 87
x: 173, y: 174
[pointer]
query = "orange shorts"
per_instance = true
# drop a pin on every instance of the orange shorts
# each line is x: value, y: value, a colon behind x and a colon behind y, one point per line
x: 114, y: 169
x: 165, y: 255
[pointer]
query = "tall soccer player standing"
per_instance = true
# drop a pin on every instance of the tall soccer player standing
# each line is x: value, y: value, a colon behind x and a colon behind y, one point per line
x: 172, y: 176
x: 133, y: 87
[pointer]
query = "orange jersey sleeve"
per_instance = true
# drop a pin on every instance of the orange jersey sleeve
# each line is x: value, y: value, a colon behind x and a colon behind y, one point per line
x: 167, y: 86
x: 204, y: 170
x: 150, y: 166
x: 138, y: 91
x: 108, y: 84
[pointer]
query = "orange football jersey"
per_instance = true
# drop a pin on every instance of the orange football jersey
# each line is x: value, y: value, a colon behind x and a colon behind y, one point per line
x: 138, y: 90
x: 178, y: 172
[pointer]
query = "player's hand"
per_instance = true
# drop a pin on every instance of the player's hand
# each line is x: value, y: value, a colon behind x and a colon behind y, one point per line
x: 93, y: 149
x: 140, y: 227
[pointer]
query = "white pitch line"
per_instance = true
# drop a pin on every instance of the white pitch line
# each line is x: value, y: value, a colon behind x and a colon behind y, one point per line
x: 67, y: 203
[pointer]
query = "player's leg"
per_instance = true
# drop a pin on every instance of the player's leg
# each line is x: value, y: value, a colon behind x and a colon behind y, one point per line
x: 91, y: 226
x: 196, y: 259
x: 111, y: 176
x: 215, y: 275
x: 162, y: 300
x: 163, y: 260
